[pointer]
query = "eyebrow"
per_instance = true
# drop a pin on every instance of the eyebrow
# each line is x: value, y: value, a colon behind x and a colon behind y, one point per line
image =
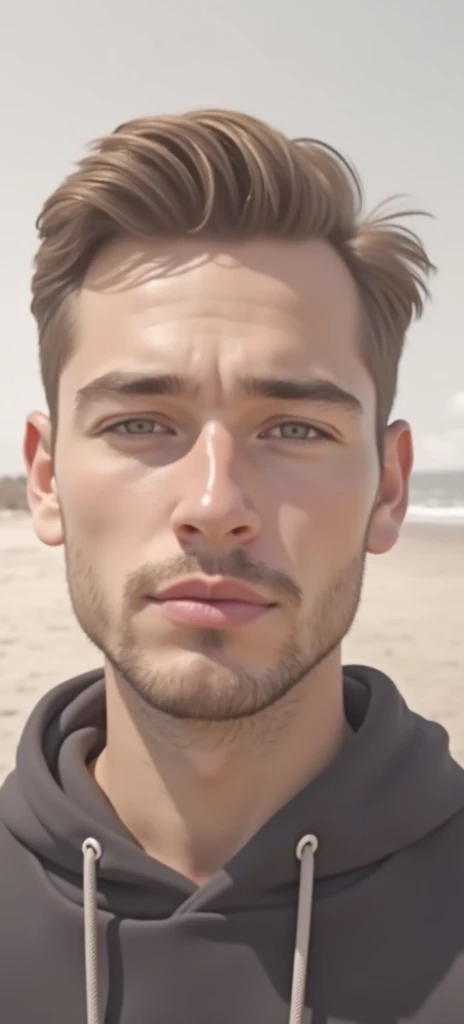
x: 118, y: 383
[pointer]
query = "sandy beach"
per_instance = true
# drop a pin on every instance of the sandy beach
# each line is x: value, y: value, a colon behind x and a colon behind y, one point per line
x: 410, y: 625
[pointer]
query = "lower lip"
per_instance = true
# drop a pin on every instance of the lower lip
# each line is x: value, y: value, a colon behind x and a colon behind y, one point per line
x: 211, y: 614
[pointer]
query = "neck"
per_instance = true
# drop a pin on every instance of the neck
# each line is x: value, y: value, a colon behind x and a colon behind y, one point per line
x: 192, y: 794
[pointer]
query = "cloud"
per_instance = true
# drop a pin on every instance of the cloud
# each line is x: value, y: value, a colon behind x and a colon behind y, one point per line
x: 455, y: 406
x: 443, y: 450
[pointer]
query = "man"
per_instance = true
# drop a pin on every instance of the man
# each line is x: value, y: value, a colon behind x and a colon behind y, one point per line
x: 223, y: 825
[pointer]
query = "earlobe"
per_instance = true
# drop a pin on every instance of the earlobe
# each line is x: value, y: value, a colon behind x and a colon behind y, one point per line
x: 42, y: 493
x: 392, y: 497
x: 383, y: 532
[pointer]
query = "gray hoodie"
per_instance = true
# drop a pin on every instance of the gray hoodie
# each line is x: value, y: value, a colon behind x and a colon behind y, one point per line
x: 347, y: 907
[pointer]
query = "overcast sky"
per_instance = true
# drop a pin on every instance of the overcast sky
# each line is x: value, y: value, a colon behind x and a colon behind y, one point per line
x: 383, y: 80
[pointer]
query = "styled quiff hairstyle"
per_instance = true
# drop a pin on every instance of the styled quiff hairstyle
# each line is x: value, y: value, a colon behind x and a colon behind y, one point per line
x: 216, y: 174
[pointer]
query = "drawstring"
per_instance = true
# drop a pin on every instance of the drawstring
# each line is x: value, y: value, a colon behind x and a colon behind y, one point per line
x: 92, y: 852
x: 305, y: 852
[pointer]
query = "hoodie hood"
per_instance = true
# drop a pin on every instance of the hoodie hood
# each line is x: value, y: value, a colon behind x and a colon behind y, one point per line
x: 393, y: 785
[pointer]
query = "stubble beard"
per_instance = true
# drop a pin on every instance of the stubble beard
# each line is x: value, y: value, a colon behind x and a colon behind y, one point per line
x: 210, y: 691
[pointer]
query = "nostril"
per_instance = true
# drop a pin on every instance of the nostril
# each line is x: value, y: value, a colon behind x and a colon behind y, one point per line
x: 189, y: 530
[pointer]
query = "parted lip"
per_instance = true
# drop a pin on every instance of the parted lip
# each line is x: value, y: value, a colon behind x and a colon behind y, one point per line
x: 203, y: 588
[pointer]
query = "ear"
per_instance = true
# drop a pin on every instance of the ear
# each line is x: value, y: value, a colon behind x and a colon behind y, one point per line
x: 393, y: 493
x: 42, y: 494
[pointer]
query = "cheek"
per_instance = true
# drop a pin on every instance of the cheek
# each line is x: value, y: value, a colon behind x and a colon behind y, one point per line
x: 106, y: 501
x: 325, y: 523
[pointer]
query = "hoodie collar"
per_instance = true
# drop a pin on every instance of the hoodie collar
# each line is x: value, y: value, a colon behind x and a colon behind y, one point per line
x: 392, y: 784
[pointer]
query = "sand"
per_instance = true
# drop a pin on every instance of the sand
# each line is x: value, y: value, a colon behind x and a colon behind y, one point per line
x: 410, y: 625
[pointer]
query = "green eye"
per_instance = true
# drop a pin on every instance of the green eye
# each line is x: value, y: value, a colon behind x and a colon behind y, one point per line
x: 294, y: 431
x: 138, y: 427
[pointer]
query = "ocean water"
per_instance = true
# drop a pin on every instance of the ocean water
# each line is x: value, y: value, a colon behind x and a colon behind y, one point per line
x: 437, y: 497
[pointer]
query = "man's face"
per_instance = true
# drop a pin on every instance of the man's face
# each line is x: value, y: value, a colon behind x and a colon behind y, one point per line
x: 251, y: 455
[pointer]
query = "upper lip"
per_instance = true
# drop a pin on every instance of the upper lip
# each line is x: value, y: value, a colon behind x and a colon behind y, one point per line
x: 201, y: 588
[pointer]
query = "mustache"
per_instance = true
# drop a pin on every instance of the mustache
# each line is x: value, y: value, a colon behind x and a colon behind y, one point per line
x: 237, y: 565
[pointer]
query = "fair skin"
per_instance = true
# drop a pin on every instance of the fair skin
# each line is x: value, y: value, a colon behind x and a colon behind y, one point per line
x: 212, y: 730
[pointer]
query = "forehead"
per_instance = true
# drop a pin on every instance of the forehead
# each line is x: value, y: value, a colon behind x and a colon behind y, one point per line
x: 218, y: 310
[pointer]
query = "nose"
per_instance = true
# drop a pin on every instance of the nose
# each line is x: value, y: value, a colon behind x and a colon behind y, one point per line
x: 213, y: 508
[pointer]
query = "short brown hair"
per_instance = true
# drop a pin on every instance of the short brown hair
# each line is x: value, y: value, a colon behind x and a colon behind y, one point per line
x: 224, y: 175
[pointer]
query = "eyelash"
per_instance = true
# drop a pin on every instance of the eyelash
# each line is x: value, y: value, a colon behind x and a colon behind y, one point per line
x: 114, y: 429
